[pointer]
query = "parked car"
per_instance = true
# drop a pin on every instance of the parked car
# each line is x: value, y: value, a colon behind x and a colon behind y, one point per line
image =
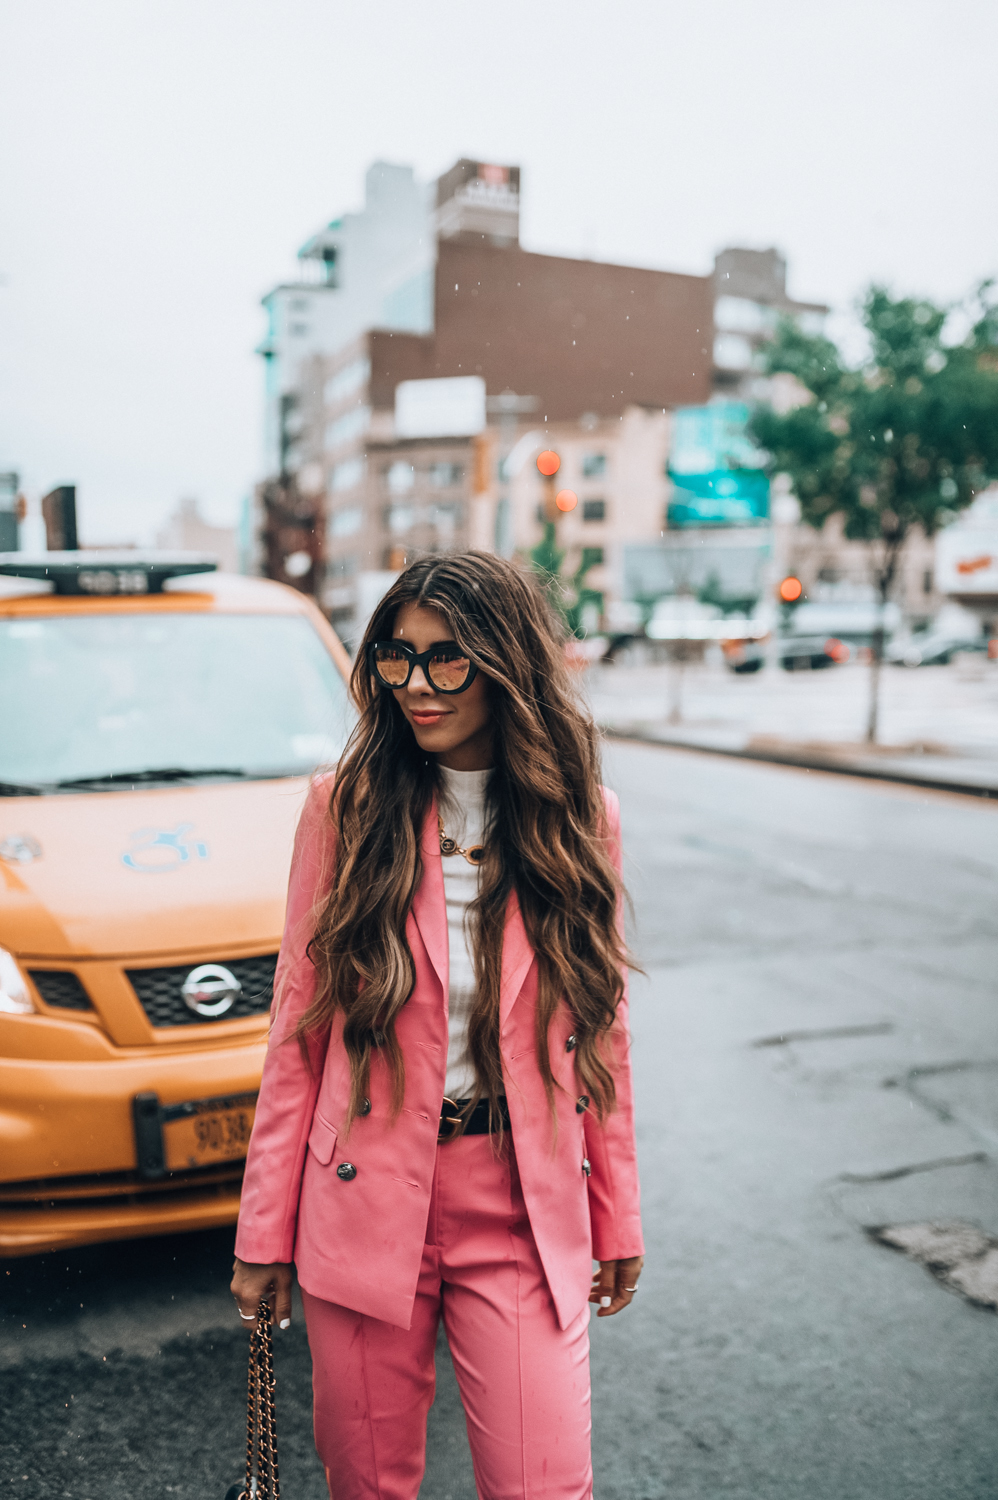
x: 933, y: 649
x: 159, y: 733
x: 744, y: 656
x: 802, y: 653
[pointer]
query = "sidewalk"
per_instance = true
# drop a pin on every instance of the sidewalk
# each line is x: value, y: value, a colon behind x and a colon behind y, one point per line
x: 938, y: 725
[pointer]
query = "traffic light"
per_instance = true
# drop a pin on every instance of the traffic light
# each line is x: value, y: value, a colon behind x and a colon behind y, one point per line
x: 791, y: 589
x: 566, y: 499
x: 548, y: 463
x: 59, y: 512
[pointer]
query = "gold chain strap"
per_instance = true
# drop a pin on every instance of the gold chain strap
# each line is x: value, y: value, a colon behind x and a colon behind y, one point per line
x: 262, y: 1481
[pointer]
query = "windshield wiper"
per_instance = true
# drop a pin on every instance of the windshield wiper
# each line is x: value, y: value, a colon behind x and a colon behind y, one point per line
x: 19, y: 789
x: 153, y: 773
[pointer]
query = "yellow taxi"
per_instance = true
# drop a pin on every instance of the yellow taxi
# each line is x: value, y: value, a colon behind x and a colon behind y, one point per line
x: 160, y: 723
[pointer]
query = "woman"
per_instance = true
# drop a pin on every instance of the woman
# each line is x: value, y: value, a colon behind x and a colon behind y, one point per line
x: 445, y: 1124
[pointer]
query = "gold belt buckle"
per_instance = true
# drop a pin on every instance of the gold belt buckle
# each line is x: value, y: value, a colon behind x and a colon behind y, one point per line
x: 449, y: 1120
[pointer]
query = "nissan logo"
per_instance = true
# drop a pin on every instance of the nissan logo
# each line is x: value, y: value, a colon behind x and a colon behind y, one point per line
x: 209, y: 990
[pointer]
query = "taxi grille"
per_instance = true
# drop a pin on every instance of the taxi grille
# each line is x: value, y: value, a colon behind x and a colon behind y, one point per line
x: 60, y: 987
x: 159, y: 991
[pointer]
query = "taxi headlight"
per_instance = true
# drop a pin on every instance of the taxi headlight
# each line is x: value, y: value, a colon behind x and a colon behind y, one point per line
x: 14, y: 997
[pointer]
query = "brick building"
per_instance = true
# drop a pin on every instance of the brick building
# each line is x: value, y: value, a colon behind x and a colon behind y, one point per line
x: 582, y: 356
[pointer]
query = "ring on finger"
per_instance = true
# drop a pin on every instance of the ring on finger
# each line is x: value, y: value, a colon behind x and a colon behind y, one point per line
x: 247, y: 1317
x: 630, y: 1288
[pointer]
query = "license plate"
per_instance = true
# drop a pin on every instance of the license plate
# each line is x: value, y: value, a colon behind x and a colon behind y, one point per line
x: 204, y: 1131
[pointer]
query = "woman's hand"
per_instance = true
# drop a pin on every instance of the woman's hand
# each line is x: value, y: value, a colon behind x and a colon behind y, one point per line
x: 614, y: 1284
x: 250, y: 1284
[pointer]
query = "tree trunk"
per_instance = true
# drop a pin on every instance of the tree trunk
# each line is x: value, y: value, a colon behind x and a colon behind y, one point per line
x: 877, y: 656
x: 677, y: 667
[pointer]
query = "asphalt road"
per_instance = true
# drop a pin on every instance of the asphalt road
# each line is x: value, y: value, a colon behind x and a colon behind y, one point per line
x: 776, y: 1349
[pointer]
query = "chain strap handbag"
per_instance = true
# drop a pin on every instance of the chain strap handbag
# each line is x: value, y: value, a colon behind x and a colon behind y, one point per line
x: 261, y: 1482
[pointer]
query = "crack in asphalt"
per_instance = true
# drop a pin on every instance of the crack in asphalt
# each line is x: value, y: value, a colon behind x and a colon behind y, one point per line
x: 825, y: 1034
x: 891, y: 1174
x: 943, y: 1110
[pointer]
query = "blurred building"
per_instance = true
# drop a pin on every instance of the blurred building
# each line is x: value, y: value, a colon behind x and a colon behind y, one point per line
x: 750, y: 296
x: 727, y: 537
x: 187, y: 531
x: 371, y: 269
x: 434, y: 374
x: 721, y: 540
x: 421, y: 359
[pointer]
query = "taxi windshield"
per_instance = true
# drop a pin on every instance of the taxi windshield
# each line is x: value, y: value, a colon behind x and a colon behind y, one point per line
x: 107, y: 697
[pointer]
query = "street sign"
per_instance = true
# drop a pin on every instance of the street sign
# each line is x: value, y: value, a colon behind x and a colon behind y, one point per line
x: 716, y: 470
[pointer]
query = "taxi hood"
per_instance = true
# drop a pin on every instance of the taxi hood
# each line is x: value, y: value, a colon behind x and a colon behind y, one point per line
x: 142, y: 873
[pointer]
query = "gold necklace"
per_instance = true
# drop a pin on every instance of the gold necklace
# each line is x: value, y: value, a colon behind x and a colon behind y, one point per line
x: 474, y: 855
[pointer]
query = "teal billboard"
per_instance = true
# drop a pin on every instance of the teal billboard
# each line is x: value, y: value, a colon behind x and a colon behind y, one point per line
x: 716, y: 471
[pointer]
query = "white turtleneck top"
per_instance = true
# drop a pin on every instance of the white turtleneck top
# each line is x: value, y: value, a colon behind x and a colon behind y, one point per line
x: 462, y: 808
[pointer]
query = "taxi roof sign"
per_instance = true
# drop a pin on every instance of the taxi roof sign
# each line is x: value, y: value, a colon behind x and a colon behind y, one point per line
x: 99, y: 574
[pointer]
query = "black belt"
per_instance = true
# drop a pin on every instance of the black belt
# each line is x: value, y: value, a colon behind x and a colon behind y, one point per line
x: 477, y: 1122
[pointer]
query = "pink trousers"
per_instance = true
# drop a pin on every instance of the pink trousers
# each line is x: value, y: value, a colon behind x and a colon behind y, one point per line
x: 524, y: 1381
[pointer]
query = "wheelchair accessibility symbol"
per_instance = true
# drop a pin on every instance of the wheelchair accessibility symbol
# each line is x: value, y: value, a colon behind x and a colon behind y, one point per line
x: 155, y: 851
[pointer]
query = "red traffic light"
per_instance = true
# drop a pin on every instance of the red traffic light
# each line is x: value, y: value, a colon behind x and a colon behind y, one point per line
x: 548, y: 462
x: 791, y: 589
x: 566, y: 499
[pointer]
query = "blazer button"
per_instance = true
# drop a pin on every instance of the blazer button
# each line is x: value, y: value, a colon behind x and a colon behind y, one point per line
x: 365, y: 1108
x: 570, y: 1044
x: 346, y: 1171
x: 586, y: 1167
x: 582, y: 1104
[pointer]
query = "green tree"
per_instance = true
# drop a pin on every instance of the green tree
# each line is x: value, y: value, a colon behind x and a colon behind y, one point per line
x: 568, y: 593
x: 903, y: 440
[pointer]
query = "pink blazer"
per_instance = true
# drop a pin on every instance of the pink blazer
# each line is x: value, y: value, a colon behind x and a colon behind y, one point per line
x: 358, y: 1242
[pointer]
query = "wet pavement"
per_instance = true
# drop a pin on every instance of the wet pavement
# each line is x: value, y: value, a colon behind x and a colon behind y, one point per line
x: 815, y: 1054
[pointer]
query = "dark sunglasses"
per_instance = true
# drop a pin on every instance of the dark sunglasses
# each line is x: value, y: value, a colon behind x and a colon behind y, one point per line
x: 447, y: 668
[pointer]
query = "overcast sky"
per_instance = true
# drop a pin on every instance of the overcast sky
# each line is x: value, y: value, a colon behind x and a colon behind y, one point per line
x: 162, y: 160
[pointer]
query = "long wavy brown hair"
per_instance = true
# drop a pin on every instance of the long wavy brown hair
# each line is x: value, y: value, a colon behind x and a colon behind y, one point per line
x: 547, y: 840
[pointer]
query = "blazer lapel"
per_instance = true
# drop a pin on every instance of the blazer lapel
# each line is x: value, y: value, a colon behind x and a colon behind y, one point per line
x: 517, y: 956
x: 429, y: 910
x: 429, y: 907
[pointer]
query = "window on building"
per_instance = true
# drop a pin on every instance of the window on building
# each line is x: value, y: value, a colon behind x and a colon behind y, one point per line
x: 444, y: 475
x: 927, y: 581
x: 346, y: 475
x: 593, y: 465
x: 352, y: 424
x: 342, y: 567
x: 346, y: 381
x: 594, y: 510
x: 447, y: 519
x: 395, y: 558
x: 298, y: 330
x: 732, y: 352
x: 592, y: 557
x: 742, y: 315
x: 400, y: 477
x: 346, y: 522
x: 299, y: 304
x: 400, y: 517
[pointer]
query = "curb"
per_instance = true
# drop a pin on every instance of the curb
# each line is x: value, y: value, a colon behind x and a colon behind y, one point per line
x: 808, y: 763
